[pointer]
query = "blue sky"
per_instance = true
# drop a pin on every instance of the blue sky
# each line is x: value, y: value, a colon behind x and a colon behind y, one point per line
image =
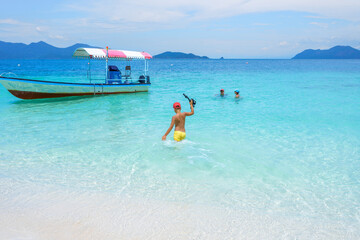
x: 226, y: 28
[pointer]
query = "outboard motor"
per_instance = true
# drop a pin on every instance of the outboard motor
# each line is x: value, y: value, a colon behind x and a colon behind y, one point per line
x: 142, y: 79
x: 147, y: 79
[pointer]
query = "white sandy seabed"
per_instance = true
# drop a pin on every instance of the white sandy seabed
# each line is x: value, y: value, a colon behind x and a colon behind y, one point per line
x: 48, y: 214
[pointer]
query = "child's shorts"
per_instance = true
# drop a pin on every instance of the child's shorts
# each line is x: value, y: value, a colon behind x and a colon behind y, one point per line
x: 178, y: 136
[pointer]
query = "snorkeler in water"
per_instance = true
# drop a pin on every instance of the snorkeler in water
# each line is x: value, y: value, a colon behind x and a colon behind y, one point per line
x: 222, y: 93
x: 237, y: 93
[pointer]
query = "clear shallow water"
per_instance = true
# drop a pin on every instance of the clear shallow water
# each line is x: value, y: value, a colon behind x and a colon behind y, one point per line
x: 290, y: 147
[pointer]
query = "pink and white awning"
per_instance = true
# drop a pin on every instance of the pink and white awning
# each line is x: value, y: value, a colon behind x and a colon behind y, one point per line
x: 99, y: 53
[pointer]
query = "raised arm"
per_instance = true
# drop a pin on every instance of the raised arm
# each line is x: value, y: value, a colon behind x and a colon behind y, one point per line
x: 169, y: 130
x: 192, y: 109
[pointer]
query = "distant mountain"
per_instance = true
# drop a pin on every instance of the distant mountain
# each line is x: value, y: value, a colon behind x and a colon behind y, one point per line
x: 172, y: 55
x: 338, y: 52
x: 39, y: 50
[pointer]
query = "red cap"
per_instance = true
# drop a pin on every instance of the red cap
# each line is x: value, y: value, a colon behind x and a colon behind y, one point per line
x: 221, y: 90
x: 177, y: 105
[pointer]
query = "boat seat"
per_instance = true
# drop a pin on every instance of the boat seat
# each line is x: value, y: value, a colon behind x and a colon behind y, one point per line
x: 127, y: 72
x: 114, y: 75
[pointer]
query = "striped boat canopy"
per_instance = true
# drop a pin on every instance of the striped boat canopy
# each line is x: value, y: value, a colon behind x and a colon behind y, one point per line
x: 98, y: 53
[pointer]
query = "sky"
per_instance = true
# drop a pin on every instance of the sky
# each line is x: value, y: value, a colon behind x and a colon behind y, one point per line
x: 213, y: 28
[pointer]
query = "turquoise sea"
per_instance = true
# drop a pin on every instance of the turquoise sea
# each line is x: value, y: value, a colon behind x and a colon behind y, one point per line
x: 283, y: 162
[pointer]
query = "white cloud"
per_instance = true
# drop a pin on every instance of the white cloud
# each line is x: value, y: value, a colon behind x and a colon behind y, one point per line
x: 319, y: 24
x: 26, y: 31
x: 60, y: 37
x: 316, y: 17
x: 129, y: 11
x: 261, y: 24
x: 151, y: 24
x: 170, y: 11
x: 10, y: 21
x: 39, y: 29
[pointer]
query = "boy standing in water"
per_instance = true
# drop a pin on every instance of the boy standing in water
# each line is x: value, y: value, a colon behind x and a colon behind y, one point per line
x: 237, y: 93
x: 179, y: 121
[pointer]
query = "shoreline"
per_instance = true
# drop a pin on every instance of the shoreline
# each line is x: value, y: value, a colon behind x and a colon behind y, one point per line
x: 63, y: 214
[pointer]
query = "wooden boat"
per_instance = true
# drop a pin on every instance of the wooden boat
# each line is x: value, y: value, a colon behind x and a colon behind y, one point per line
x: 114, y: 82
